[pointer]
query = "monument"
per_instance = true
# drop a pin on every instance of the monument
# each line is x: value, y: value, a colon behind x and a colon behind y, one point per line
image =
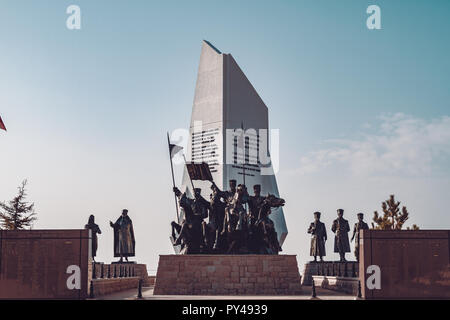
x: 227, y: 145
x: 225, y: 99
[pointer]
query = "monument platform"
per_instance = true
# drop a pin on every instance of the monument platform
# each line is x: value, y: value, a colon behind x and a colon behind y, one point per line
x: 329, y: 268
x: 347, y: 285
x: 227, y: 275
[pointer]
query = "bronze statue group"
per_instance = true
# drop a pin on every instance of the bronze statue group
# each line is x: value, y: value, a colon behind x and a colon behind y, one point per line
x: 340, y: 229
x: 238, y: 223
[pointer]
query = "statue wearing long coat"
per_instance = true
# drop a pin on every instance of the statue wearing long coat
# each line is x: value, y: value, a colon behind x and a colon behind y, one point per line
x: 124, y: 242
x: 341, y: 228
x: 319, y: 236
x: 356, y: 232
x: 95, y: 230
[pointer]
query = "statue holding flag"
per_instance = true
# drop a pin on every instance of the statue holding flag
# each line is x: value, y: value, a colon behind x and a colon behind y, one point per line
x: 190, y: 231
x: 220, y: 200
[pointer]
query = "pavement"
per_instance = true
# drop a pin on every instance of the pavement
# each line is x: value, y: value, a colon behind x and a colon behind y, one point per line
x: 147, y: 294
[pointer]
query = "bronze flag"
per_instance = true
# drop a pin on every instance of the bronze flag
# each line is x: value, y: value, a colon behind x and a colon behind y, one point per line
x: 199, y: 171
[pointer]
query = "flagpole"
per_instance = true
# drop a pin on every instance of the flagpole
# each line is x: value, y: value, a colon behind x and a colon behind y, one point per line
x: 173, y: 177
x: 243, y: 165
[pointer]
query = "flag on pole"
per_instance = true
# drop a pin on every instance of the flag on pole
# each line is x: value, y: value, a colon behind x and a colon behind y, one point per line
x: 199, y: 171
x: 174, y: 149
x: 2, y: 125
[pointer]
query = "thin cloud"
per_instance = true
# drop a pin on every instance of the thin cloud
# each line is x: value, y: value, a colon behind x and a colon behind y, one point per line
x: 398, y: 144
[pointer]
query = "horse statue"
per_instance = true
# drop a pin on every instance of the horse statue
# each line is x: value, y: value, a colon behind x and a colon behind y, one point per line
x: 263, y: 238
x: 230, y: 229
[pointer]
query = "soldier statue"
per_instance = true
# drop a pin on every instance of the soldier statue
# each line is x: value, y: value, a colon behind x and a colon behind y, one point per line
x: 227, y: 196
x: 236, y: 209
x: 255, y: 202
x: 95, y: 229
x: 360, y: 225
x: 318, y: 238
x: 341, y: 228
x: 124, y: 242
x: 217, y: 215
x: 191, y: 229
x: 230, y: 229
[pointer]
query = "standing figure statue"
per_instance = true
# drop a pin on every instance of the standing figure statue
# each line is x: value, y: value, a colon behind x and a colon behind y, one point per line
x: 360, y: 225
x: 255, y: 202
x: 318, y: 238
x: 236, y: 210
x: 217, y: 216
x: 124, y: 242
x: 190, y: 232
x: 227, y: 196
x: 235, y: 219
x: 91, y: 225
x: 341, y: 228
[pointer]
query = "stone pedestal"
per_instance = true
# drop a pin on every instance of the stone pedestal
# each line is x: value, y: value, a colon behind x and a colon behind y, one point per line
x: 107, y: 286
x: 347, y: 285
x: 227, y: 275
x: 329, y: 268
x: 116, y: 271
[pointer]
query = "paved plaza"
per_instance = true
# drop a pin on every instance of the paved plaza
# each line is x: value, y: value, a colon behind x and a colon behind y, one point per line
x: 147, y: 294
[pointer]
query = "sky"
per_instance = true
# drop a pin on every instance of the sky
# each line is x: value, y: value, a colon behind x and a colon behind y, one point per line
x: 362, y: 113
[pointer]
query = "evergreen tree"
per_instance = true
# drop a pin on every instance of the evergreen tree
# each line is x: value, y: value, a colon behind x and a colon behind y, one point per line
x: 17, y: 214
x: 392, y: 218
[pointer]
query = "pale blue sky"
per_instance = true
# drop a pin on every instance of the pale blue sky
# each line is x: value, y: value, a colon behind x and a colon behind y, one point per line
x: 87, y: 111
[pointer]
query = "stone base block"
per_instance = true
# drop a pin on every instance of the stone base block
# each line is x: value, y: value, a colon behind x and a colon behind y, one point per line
x: 329, y: 268
x: 107, y: 286
x: 341, y: 284
x: 227, y: 275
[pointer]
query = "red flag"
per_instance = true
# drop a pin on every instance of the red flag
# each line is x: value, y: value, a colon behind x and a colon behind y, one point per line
x: 2, y: 125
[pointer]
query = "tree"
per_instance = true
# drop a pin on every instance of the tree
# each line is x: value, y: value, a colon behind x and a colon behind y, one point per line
x: 17, y: 214
x: 392, y: 218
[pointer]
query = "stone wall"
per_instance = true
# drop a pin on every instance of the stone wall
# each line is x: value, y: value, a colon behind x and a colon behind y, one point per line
x: 34, y: 263
x: 413, y: 264
x: 227, y: 275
